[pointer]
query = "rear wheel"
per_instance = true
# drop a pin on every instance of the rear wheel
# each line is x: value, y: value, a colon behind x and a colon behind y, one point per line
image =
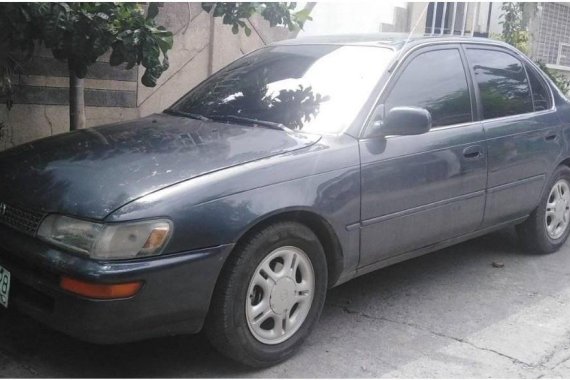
x: 269, y: 296
x: 547, y: 228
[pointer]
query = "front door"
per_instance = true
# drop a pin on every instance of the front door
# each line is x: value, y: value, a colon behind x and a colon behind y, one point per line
x: 419, y: 190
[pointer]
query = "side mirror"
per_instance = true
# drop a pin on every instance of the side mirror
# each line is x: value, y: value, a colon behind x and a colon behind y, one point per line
x: 400, y: 121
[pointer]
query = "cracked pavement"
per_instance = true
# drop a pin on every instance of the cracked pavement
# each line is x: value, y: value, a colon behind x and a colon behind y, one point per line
x: 446, y: 314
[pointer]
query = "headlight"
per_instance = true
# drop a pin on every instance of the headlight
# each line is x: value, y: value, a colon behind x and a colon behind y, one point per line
x: 106, y: 241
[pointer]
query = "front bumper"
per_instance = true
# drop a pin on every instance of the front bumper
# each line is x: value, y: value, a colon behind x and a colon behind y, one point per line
x: 174, y: 299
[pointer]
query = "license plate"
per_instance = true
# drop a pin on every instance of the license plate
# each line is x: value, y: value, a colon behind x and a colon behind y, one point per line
x: 4, y: 286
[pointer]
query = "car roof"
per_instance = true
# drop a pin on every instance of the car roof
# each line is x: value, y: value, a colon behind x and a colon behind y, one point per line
x: 396, y: 41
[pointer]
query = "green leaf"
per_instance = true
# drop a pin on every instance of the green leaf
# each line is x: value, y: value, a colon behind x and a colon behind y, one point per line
x: 151, y: 75
x: 164, y: 39
x: 207, y: 6
x: 247, y: 31
x: 152, y: 11
x: 148, y: 79
x: 103, y: 16
x: 235, y: 29
x: 165, y: 43
x: 219, y: 11
x: 302, y: 16
x: 117, y: 55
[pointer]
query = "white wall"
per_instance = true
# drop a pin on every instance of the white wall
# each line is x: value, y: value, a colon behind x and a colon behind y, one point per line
x: 350, y: 17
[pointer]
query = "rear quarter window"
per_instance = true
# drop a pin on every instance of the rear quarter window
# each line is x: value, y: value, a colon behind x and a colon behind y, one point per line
x: 540, y: 93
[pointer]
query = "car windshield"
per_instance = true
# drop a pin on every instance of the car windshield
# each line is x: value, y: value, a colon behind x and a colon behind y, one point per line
x: 314, y: 88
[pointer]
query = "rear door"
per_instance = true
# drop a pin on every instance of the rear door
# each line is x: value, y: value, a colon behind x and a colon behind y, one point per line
x: 521, y: 127
x: 418, y: 190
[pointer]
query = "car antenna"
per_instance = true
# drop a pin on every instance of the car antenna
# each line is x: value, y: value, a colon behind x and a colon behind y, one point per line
x: 407, y: 40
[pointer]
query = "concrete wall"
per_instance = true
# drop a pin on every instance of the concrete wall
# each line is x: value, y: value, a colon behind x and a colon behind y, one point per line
x: 41, y: 100
x: 116, y: 94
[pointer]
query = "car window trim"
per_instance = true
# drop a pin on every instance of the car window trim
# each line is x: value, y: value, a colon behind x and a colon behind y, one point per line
x: 473, y: 89
x: 433, y: 130
x: 462, y: 125
x: 529, y: 86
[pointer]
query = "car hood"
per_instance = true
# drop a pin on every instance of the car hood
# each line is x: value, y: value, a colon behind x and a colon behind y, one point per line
x: 90, y: 173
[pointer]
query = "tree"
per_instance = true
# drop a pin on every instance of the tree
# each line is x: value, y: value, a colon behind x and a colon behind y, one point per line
x: 235, y: 14
x: 79, y: 33
x: 515, y: 33
x: 514, y: 30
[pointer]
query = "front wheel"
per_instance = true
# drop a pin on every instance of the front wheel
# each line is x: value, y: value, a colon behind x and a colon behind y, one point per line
x: 547, y: 227
x: 269, y: 296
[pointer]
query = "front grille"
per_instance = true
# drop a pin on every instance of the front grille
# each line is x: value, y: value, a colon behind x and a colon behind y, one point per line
x: 24, y: 221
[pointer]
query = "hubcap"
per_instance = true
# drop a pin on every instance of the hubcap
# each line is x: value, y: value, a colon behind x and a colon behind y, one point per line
x: 558, y: 209
x: 280, y: 295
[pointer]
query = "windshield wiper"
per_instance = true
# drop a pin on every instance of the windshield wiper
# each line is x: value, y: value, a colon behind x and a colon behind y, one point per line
x: 250, y: 121
x: 227, y: 118
x: 191, y: 115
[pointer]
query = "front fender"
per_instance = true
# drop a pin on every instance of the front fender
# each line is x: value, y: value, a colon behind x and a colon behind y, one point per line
x: 214, y: 209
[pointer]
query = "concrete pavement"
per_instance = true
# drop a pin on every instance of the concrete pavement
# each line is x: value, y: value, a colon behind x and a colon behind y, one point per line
x: 447, y: 314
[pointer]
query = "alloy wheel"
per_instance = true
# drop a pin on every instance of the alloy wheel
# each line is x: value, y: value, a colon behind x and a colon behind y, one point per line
x: 280, y: 295
x: 558, y: 209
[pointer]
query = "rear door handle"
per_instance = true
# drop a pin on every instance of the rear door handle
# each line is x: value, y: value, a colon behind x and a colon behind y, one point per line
x: 473, y: 152
x: 551, y: 137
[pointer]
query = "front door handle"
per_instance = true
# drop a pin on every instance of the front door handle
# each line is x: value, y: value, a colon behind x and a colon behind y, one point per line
x: 551, y: 137
x: 473, y: 152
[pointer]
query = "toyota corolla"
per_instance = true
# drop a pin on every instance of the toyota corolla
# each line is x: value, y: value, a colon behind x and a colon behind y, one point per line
x: 294, y: 169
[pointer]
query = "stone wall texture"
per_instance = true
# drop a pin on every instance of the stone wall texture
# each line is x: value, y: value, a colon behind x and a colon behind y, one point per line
x: 116, y: 94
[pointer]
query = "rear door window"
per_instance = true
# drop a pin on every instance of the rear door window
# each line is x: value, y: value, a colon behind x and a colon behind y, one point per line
x: 503, y: 85
x: 434, y: 80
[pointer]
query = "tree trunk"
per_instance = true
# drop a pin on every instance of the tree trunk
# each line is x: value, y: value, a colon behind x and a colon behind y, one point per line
x: 76, y: 102
x: 211, y: 41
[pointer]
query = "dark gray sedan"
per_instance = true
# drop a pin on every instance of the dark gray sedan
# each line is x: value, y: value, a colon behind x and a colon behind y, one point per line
x: 294, y: 169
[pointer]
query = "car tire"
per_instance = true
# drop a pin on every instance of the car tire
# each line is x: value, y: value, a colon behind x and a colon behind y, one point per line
x: 236, y: 327
x: 539, y: 233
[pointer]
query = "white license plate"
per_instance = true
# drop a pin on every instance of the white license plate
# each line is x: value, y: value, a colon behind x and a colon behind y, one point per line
x: 4, y: 286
